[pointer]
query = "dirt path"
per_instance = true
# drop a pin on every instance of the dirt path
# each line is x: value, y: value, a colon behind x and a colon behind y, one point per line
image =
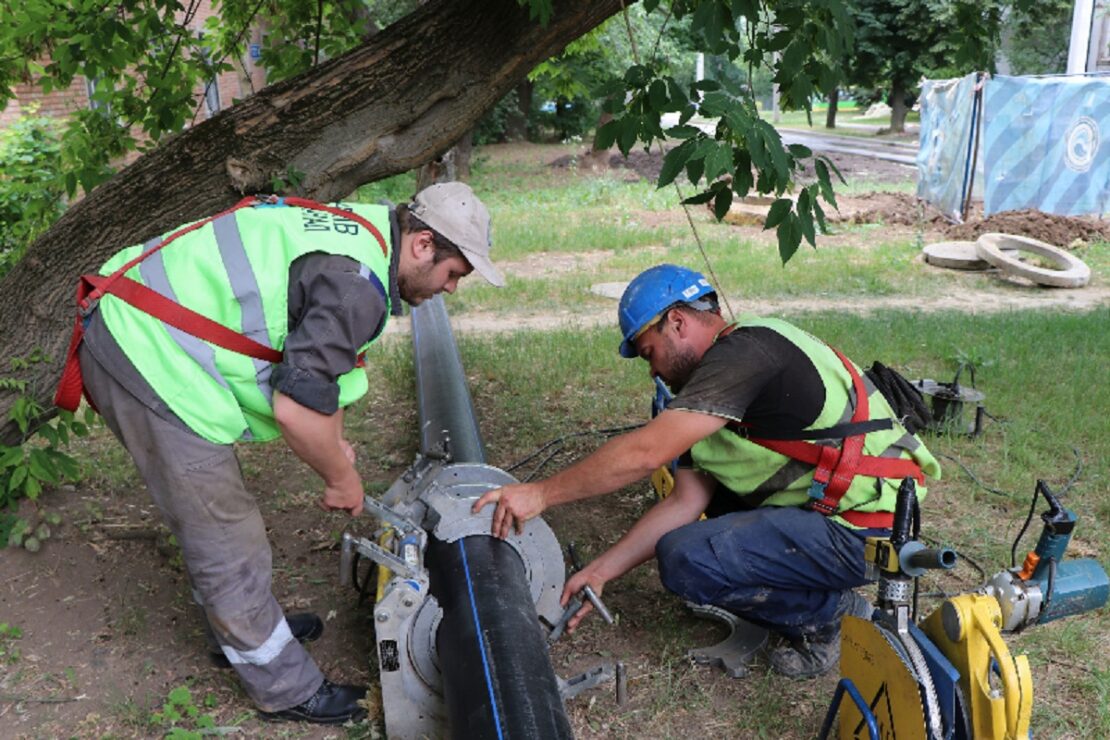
x: 1010, y: 297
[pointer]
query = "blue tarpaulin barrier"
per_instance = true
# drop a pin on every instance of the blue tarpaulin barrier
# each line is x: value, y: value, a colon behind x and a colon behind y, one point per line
x: 947, y: 115
x: 1043, y: 144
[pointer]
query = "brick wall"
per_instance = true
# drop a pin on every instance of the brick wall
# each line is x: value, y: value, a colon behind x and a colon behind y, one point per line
x: 56, y: 103
x: 61, y: 103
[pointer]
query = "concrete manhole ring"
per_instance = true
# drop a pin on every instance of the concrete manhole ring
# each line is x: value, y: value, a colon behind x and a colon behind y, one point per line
x: 954, y: 255
x: 1001, y: 251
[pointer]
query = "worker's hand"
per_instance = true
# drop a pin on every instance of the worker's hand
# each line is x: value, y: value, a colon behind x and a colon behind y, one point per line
x: 515, y: 504
x: 348, y: 450
x: 344, y: 494
x: 582, y: 578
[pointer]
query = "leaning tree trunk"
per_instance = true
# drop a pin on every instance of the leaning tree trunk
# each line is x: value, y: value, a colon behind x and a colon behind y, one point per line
x: 387, y: 106
x: 898, y: 108
x: 834, y: 103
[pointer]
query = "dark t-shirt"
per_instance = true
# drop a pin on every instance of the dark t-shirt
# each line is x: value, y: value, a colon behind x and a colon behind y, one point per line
x: 333, y: 312
x: 758, y: 376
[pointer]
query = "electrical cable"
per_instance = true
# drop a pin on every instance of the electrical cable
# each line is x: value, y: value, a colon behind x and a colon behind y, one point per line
x: 610, y: 432
x: 1033, y: 504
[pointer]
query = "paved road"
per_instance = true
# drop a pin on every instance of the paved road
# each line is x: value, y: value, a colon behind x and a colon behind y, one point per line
x: 903, y: 152
x: 892, y: 151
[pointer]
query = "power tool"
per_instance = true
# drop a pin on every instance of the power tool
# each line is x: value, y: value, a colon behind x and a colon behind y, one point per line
x: 951, y: 675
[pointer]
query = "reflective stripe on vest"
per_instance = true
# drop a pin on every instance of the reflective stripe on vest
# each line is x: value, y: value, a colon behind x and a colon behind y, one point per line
x: 222, y: 395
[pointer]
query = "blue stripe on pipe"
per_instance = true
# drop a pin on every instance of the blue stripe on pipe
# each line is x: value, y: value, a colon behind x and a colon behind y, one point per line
x: 481, y: 642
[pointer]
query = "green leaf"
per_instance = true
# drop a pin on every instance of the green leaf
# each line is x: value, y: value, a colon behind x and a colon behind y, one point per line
x: 790, y: 237
x: 835, y: 169
x: 180, y: 696
x: 718, y: 161
x: 657, y: 95
x: 778, y: 211
x: 820, y: 213
x: 18, y: 476
x: 607, y: 134
x: 630, y: 129
x: 10, y: 456
x: 694, y: 168
x: 722, y: 203
x: 823, y: 181
x: 673, y: 162
x: 697, y: 200
x: 805, y: 217
x: 683, y: 132
x: 42, y: 467
x: 799, y: 151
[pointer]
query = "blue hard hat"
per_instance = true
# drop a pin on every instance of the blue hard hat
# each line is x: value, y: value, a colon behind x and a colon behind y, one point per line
x: 653, y: 291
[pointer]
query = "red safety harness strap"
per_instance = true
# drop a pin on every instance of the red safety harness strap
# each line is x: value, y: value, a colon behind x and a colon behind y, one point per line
x: 91, y: 288
x: 837, y: 467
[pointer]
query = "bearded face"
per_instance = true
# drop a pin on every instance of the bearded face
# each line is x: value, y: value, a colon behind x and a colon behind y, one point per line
x: 677, y: 364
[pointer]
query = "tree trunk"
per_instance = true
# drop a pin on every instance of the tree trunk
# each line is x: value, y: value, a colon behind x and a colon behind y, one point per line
x: 834, y: 102
x: 597, y: 159
x: 516, y: 128
x: 389, y: 105
x: 898, y: 108
x: 453, y: 164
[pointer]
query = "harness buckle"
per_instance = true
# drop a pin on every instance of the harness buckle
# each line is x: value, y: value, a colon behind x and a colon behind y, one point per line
x: 87, y: 306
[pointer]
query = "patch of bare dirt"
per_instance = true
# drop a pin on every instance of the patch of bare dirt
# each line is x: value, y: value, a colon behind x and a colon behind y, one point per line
x: 1059, y: 231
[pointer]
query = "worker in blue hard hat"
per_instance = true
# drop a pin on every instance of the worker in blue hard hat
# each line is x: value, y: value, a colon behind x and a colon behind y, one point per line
x: 786, y: 447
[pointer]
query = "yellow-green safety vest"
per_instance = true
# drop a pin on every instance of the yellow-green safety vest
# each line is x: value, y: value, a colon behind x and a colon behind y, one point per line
x: 763, y: 477
x: 235, y: 271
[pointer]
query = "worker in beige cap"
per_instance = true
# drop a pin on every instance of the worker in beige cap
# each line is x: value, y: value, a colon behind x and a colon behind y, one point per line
x: 311, y: 284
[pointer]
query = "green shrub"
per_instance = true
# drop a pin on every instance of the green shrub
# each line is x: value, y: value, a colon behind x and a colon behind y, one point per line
x: 32, y: 190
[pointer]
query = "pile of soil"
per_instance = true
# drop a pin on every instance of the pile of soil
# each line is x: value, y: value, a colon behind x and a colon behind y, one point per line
x: 1061, y: 231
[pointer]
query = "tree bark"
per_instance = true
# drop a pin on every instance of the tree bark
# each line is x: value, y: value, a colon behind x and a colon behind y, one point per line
x: 834, y: 103
x: 389, y: 105
x: 898, y: 107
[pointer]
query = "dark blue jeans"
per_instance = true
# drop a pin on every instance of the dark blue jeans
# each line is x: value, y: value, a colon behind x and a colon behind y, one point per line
x: 783, y: 567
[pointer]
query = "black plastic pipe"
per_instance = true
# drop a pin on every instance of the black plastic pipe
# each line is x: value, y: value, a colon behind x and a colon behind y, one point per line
x: 442, y: 398
x: 497, y: 677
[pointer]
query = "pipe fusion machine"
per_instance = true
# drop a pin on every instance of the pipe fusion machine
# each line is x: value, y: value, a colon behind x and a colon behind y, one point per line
x: 462, y: 619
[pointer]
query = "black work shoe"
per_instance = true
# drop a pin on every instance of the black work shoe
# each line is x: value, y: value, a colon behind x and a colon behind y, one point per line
x: 332, y: 704
x: 806, y: 657
x: 306, y: 627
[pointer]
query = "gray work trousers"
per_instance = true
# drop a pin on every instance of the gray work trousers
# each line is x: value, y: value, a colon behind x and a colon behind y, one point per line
x: 198, y: 487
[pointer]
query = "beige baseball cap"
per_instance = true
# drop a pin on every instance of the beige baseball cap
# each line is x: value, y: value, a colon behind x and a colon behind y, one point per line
x: 452, y: 209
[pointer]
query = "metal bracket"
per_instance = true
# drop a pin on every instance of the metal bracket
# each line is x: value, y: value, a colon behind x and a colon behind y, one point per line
x: 372, y: 550
x: 734, y: 653
x: 594, y: 677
